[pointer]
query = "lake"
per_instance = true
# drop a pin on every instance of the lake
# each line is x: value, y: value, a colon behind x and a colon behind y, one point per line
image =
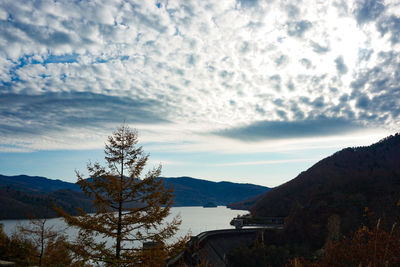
x: 194, y: 220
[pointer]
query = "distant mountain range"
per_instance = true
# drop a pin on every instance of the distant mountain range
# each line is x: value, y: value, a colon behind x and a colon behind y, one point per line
x: 353, y: 187
x: 22, y: 195
x: 195, y: 192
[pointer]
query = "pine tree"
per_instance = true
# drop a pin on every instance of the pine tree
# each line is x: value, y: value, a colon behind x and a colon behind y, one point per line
x: 128, y: 208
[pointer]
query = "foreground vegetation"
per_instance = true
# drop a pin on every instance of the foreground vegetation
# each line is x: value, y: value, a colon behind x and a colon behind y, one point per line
x: 364, y: 247
x: 39, y: 247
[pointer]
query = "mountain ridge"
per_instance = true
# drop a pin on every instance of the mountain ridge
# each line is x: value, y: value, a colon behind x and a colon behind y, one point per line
x: 37, y: 194
x: 352, y: 187
x: 201, y: 188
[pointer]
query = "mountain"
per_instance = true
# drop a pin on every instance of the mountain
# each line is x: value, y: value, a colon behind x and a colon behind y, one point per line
x: 353, y: 187
x: 36, y: 183
x: 196, y: 192
x: 16, y: 204
x: 246, y: 204
x: 21, y: 196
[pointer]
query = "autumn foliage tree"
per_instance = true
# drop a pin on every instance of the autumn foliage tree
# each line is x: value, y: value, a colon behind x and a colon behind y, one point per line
x: 366, y: 247
x: 129, y: 208
x: 50, y: 245
x: 17, y: 249
x: 35, y: 244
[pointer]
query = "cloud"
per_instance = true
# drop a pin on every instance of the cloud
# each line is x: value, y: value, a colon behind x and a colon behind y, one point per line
x: 368, y: 10
x: 265, y: 130
x: 298, y: 28
x: 318, y: 102
x: 36, y: 115
x: 365, y: 54
x: 317, y: 48
x: 202, y: 65
x: 340, y: 66
x: 306, y: 62
x: 376, y: 89
x: 41, y: 34
x: 292, y: 11
x: 247, y: 3
x: 283, y: 59
x: 341, y: 7
x: 362, y: 101
x: 390, y: 25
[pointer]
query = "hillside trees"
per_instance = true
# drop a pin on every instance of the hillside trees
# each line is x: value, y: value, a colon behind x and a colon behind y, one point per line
x: 364, y: 247
x: 129, y: 208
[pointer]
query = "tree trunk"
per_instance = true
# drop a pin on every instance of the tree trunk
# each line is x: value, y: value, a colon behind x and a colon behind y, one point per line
x: 41, y: 243
x: 119, y: 225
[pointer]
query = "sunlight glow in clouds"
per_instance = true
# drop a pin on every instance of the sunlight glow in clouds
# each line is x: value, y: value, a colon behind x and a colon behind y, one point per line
x: 216, y: 77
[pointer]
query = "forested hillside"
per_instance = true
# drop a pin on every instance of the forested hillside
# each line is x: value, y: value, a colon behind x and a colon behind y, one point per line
x: 353, y: 187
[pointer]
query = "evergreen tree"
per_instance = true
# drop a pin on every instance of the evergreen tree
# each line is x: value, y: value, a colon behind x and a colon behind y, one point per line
x: 129, y: 209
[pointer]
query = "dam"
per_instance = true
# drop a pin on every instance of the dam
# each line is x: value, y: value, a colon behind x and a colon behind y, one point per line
x: 212, y: 247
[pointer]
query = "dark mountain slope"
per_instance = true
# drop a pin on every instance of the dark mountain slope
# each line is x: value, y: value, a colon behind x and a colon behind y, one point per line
x: 23, y: 196
x: 15, y: 204
x: 352, y: 187
x: 246, y: 204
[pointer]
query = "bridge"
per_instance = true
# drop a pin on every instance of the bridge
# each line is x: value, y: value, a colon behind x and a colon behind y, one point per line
x: 212, y: 247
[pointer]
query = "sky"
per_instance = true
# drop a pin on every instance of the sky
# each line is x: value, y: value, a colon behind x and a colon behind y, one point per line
x: 246, y: 91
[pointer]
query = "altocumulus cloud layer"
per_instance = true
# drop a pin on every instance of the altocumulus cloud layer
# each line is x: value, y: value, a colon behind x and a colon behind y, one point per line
x: 247, y: 70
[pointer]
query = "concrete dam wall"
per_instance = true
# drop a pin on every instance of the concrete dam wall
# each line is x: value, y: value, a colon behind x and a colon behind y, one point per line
x: 212, y: 247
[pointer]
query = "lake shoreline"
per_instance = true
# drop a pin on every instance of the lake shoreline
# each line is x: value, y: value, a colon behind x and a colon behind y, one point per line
x: 195, y: 219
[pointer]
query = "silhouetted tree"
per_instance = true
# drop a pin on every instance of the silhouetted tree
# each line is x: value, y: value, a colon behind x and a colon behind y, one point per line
x: 128, y: 208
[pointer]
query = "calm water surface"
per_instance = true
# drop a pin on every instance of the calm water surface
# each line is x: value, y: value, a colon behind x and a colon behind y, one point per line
x: 194, y: 220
